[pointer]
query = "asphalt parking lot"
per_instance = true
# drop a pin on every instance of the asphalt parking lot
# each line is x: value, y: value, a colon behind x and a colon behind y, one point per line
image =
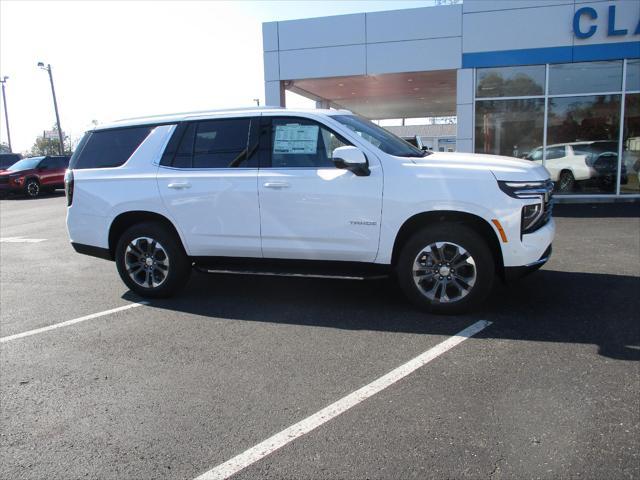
x: 177, y: 387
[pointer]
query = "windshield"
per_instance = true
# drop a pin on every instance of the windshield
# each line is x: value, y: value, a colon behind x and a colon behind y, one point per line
x: 379, y: 137
x: 25, y: 164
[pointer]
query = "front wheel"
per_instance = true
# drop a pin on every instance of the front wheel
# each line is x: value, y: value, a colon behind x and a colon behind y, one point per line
x: 151, y: 261
x: 32, y: 188
x: 446, y: 269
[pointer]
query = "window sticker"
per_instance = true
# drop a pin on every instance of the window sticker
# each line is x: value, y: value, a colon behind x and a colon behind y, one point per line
x: 296, y: 139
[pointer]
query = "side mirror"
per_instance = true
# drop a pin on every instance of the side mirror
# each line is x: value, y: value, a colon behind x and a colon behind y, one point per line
x: 352, y: 159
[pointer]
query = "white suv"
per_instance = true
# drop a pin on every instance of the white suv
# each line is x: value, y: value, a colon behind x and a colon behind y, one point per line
x: 319, y: 193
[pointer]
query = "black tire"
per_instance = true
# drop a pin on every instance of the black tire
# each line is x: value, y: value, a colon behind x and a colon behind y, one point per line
x: 450, y: 235
x: 174, y: 277
x: 566, y: 181
x: 32, y: 188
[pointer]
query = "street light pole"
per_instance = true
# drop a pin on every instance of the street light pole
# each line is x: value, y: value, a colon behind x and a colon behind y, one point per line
x: 55, y: 105
x: 6, y: 114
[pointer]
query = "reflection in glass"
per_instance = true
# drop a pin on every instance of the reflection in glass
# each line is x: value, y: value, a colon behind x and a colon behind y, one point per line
x: 510, y: 81
x: 509, y: 127
x: 584, y: 131
x: 633, y: 75
x: 586, y: 77
x: 631, y: 144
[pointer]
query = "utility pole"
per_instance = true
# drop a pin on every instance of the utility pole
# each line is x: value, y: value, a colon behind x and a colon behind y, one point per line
x: 55, y: 104
x: 6, y: 114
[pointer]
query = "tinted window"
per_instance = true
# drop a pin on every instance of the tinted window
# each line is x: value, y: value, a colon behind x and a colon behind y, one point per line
x: 298, y: 142
x: 225, y: 143
x: 221, y: 143
x: 108, y: 148
x: 184, y: 152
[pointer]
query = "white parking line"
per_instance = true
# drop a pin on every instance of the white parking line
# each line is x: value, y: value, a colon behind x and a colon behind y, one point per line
x: 279, y: 440
x: 21, y: 240
x: 70, y: 322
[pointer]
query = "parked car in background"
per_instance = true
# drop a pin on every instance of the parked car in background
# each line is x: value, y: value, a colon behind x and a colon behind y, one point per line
x: 31, y: 176
x: 571, y: 163
x: 8, y: 159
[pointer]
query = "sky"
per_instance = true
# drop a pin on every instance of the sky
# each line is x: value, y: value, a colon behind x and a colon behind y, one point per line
x: 118, y: 59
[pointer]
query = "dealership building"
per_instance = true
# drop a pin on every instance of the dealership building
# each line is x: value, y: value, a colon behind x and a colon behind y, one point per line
x: 553, y: 81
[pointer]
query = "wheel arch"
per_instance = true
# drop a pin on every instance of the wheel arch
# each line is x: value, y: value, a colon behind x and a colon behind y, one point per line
x: 127, y: 219
x: 426, y: 219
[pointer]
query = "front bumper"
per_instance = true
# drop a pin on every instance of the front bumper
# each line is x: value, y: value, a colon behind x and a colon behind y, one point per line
x: 514, y: 273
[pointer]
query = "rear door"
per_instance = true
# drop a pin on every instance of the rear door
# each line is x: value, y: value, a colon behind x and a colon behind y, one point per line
x: 58, y: 166
x: 310, y: 209
x: 208, y: 183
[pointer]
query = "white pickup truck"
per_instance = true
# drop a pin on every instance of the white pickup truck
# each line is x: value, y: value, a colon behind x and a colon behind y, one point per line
x: 320, y: 193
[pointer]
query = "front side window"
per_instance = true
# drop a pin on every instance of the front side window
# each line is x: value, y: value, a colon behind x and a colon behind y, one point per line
x: 302, y: 143
x: 379, y: 137
x: 555, y: 152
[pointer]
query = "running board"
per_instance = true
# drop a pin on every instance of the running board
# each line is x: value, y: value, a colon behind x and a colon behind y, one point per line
x: 289, y: 268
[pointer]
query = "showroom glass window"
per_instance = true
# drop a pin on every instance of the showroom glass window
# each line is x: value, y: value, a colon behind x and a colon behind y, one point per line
x: 631, y: 130
x: 510, y: 110
x: 581, y: 105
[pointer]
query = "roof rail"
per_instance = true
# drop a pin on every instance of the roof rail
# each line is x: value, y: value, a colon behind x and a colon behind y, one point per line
x: 201, y: 112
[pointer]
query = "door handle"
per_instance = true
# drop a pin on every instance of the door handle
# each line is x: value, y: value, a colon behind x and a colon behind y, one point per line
x: 179, y: 185
x: 276, y: 185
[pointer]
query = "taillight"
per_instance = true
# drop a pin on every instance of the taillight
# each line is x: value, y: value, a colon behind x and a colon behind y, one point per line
x: 68, y: 186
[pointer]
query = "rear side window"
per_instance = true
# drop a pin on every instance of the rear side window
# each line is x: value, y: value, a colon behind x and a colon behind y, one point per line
x: 108, y: 148
x: 224, y: 143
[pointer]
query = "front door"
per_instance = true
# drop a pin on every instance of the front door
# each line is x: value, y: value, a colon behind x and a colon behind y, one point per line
x: 309, y: 209
x: 210, y: 189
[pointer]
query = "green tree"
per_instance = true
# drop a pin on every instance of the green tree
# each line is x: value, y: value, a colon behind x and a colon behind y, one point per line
x: 4, y: 148
x: 50, y: 146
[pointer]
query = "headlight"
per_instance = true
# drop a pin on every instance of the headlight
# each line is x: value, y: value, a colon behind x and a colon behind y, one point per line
x: 534, y: 215
x: 526, y: 189
x: 530, y: 216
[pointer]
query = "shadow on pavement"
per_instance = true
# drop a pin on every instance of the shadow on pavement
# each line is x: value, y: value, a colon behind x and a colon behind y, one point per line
x: 548, y: 306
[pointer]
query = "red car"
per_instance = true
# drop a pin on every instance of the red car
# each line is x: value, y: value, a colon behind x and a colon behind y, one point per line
x: 34, y: 175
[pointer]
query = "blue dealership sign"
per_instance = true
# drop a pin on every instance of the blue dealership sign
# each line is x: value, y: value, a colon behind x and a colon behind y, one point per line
x: 585, y: 25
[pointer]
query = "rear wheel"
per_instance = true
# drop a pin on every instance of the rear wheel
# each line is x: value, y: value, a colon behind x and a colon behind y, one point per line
x: 566, y: 182
x: 446, y: 269
x: 151, y: 261
x: 32, y: 188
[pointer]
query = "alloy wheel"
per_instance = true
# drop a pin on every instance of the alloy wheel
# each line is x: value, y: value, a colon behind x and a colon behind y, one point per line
x: 146, y: 262
x: 444, y: 272
x: 33, y: 189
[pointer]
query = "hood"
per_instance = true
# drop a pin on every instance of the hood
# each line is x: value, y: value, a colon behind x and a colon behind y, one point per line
x: 17, y: 172
x: 503, y: 168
